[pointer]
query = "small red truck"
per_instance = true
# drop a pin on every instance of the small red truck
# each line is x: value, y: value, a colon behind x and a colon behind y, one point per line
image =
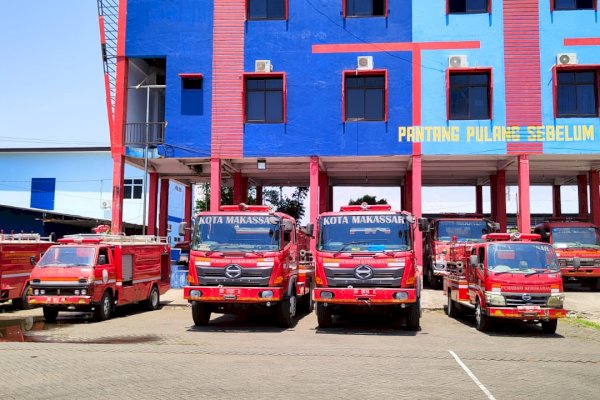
x: 19, y: 253
x: 506, y: 276
x: 96, y: 272
x: 245, y: 258
x: 365, y: 259
x: 577, y: 245
x: 467, y: 228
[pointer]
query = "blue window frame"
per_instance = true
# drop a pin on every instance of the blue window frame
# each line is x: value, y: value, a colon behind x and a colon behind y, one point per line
x: 365, y: 8
x: 42, y: 193
x: 264, y: 99
x: 365, y: 97
x: 267, y: 9
x: 469, y: 95
x: 468, y: 6
x: 577, y: 93
x: 574, y: 4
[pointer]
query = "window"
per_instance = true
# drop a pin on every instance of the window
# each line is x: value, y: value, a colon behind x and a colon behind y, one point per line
x: 365, y: 8
x: 468, y: 6
x: 42, y: 193
x: 365, y: 96
x: 265, y: 99
x: 133, y: 188
x: 469, y: 94
x: 577, y: 93
x: 192, y: 94
x: 574, y: 4
x: 267, y: 9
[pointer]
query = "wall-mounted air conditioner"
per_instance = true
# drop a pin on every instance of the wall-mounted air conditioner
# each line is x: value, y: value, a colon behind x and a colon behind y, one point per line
x: 457, y: 61
x: 364, y: 63
x: 566, y: 58
x: 263, y: 66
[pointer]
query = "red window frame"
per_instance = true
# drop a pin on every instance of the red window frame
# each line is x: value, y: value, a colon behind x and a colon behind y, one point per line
x: 286, y: 14
x: 473, y: 70
x: 370, y: 72
x: 247, y: 75
x: 489, y: 7
x: 385, y: 11
x: 553, y: 9
x: 578, y: 67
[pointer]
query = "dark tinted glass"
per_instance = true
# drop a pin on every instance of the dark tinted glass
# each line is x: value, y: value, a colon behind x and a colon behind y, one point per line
x: 255, y: 107
x: 365, y: 97
x: 573, y: 4
x: 355, y: 104
x: 374, y: 104
x: 274, y: 107
x: 577, y: 94
x: 468, y: 6
x: 137, y: 192
x: 191, y: 83
x: 365, y: 8
x: 127, y: 189
x: 469, y: 96
x: 264, y: 100
x: 266, y: 9
x: 478, y: 103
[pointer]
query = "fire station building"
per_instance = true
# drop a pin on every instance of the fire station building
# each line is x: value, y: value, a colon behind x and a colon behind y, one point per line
x: 330, y: 93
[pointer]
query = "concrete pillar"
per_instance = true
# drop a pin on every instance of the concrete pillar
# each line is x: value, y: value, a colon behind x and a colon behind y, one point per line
x: 163, y: 215
x: 524, y: 206
x: 117, y: 193
x: 187, y: 211
x: 582, y: 191
x: 556, y: 201
x: 595, y: 196
x: 479, y: 199
x: 415, y: 198
x: 215, y: 184
x: 314, y: 194
x: 152, y: 202
x: 501, y: 200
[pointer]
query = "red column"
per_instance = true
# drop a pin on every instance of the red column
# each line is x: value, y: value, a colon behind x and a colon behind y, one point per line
x: 187, y: 211
x: 479, y: 199
x: 402, y: 197
x: 259, y: 195
x: 163, y: 215
x: 501, y: 200
x: 524, y: 206
x: 152, y: 201
x: 215, y: 184
x: 237, y: 187
x: 323, y: 191
x: 415, y: 198
x: 595, y: 196
x: 494, y: 197
x: 583, y: 196
x: 329, y: 199
x: 314, y: 194
x: 244, y: 193
x: 408, y: 191
x: 117, y: 193
x: 556, y: 202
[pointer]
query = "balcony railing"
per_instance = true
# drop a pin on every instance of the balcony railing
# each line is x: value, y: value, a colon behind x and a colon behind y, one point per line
x: 144, y: 133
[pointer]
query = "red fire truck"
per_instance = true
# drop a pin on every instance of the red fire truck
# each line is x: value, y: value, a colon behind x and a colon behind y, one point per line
x: 245, y: 258
x: 18, y: 254
x: 577, y: 245
x: 96, y: 272
x: 467, y: 228
x: 512, y: 276
x: 365, y: 258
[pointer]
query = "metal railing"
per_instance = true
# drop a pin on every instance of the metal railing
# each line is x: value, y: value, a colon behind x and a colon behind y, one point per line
x: 144, y: 133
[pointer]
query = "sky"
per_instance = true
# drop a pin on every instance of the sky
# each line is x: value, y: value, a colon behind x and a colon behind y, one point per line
x: 53, y: 96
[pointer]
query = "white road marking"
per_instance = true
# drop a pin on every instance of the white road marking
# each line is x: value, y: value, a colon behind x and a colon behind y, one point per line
x: 472, y: 376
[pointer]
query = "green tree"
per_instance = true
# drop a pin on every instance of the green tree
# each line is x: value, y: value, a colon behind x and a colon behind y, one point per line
x: 367, y: 199
x: 292, y: 206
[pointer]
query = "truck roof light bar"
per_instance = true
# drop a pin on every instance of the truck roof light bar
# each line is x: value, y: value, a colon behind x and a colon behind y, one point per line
x: 367, y: 207
x: 245, y: 207
x: 515, y: 237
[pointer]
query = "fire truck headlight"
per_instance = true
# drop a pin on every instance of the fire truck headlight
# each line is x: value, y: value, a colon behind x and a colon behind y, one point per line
x: 76, y: 292
x: 556, y: 301
x: 400, y: 295
x: 83, y: 292
x: 495, y: 299
x: 36, y: 292
x: 439, y: 266
x: 195, y: 293
x: 327, y: 295
x: 42, y: 291
x: 266, y: 294
x: 562, y: 262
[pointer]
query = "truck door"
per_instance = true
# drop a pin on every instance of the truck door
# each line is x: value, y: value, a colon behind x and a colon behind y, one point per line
x: 474, y: 273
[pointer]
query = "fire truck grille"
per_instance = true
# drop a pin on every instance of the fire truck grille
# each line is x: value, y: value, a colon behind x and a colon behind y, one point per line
x: 253, y: 276
x: 517, y: 300
x: 585, y: 262
x: 54, y: 291
x: 382, y: 277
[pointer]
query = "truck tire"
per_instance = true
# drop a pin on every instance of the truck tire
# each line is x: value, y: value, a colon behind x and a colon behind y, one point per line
x: 153, y: 301
x: 483, y: 323
x: 50, y: 314
x: 595, y: 285
x: 104, y: 309
x: 306, y: 305
x: 200, y: 313
x: 22, y: 303
x: 452, y: 308
x: 324, y: 317
x: 413, y: 317
x: 550, y: 326
x: 286, y: 311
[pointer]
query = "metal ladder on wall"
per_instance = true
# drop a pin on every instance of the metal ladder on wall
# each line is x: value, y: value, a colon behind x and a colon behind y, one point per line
x: 108, y: 13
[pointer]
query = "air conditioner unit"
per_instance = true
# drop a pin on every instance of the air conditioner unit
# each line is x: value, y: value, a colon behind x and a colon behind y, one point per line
x: 457, y: 61
x: 364, y: 63
x: 566, y: 58
x: 105, y: 205
x: 263, y: 66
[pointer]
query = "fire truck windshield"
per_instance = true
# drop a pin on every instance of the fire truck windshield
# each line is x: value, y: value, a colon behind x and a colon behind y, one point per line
x: 235, y: 233
x: 521, y: 258
x: 364, y: 233
x: 464, y: 231
x: 68, y: 256
x: 578, y: 237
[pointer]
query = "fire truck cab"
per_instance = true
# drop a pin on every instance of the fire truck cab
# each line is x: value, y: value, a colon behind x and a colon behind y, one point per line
x: 96, y: 272
x: 245, y: 259
x: 365, y: 260
x: 19, y: 253
x: 512, y: 276
x: 577, y: 245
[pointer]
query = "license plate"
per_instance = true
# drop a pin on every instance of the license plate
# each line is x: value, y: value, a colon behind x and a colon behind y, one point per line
x: 364, y: 292
x: 529, y: 308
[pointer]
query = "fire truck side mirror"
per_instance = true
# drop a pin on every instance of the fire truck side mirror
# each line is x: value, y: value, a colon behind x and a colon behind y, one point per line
x: 424, y: 225
x: 287, y: 225
x: 310, y: 230
x: 473, y: 260
x: 576, y: 262
x: 182, y: 228
x: 32, y: 260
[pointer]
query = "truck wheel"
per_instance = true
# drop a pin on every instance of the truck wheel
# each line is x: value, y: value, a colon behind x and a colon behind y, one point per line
x: 482, y: 321
x: 286, y: 311
x: 22, y: 303
x: 200, y: 313
x: 306, y: 305
x: 324, y: 316
x: 50, y: 314
x: 104, y: 309
x: 452, y: 308
x: 549, y: 326
x: 153, y: 301
x: 595, y: 286
x: 413, y: 317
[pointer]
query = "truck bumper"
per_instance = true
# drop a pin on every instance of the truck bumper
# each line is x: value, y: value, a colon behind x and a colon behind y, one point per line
x: 60, y: 300
x: 583, y: 272
x: 231, y: 294
x: 527, y: 313
x: 365, y: 296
